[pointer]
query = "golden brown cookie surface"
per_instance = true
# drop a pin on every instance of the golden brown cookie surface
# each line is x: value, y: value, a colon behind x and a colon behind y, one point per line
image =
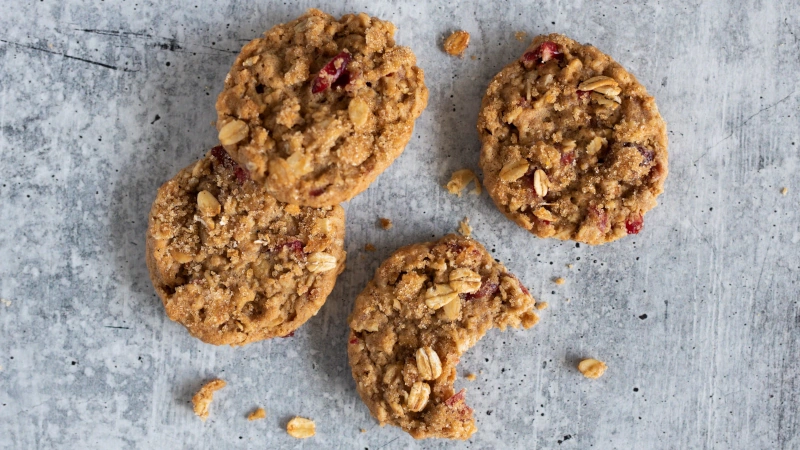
x: 573, y: 146
x: 231, y: 263
x: 427, y: 305
x: 317, y: 108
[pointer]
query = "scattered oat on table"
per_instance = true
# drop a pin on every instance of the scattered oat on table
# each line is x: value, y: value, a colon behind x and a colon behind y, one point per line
x: 471, y: 377
x: 559, y: 281
x: 784, y: 191
x: 520, y: 35
x: 386, y: 223
x: 464, y: 229
x: 5, y: 301
x: 542, y: 305
x: 259, y: 413
x: 369, y: 247
x: 592, y: 368
x: 301, y: 428
x: 456, y: 43
x: 460, y: 179
x: 202, y: 399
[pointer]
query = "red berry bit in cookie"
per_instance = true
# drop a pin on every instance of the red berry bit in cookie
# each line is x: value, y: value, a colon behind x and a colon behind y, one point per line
x: 331, y: 73
x: 225, y: 159
x: 647, y: 154
x: 542, y: 54
x: 634, y: 223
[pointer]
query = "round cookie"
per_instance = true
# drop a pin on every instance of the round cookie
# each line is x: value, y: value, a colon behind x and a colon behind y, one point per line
x: 231, y: 263
x: 427, y: 305
x: 317, y: 108
x: 573, y: 146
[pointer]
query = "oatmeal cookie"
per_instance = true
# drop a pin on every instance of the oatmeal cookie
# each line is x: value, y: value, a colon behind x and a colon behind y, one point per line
x: 231, y: 263
x: 573, y: 146
x: 427, y: 305
x: 317, y: 108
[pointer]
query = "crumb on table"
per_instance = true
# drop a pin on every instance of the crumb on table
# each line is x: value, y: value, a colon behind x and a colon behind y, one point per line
x: 471, y: 377
x: 464, y: 228
x: 542, y: 305
x: 369, y: 247
x: 559, y: 281
x: 202, y: 399
x: 784, y: 191
x: 363, y: 430
x: 386, y: 223
x: 520, y: 35
x: 259, y: 413
x: 570, y: 266
x: 301, y: 428
x: 460, y: 179
x: 592, y: 368
x: 456, y: 43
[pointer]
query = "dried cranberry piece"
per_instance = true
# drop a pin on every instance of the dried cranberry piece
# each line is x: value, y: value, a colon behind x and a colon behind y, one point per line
x: 584, y: 95
x: 455, y: 247
x: 600, y: 217
x: 488, y: 288
x: 331, y: 72
x: 567, y: 158
x: 225, y: 159
x: 634, y: 223
x: 316, y: 192
x: 288, y: 335
x: 295, y: 246
x: 458, y: 397
x: 241, y: 175
x: 543, y: 53
x: 647, y: 155
x: 353, y: 341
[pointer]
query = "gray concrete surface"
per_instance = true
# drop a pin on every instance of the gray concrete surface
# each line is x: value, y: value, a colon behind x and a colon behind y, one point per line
x: 697, y: 316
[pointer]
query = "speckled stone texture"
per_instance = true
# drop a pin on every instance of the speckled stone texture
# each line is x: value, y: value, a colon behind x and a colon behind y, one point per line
x: 697, y: 316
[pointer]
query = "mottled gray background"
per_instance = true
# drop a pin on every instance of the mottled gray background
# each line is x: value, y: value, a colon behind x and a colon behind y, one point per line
x: 697, y: 316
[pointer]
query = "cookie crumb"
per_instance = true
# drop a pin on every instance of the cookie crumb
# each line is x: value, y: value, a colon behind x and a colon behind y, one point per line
x: 5, y: 301
x: 369, y: 247
x: 202, y: 399
x: 784, y: 191
x: 473, y: 57
x: 542, y: 305
x: 464, y: 228
x: 259, y: 413
x: 386, y: 223
x: 559, y: 281
x: 363, y: 430
x: 456, y: 43
x: 471, y: 377
x: 567, y: 300
x: 570, y: 266
x: 592, y: 368
x: 520, y: 35
x: 301, y: 428
x: 460, y: 179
